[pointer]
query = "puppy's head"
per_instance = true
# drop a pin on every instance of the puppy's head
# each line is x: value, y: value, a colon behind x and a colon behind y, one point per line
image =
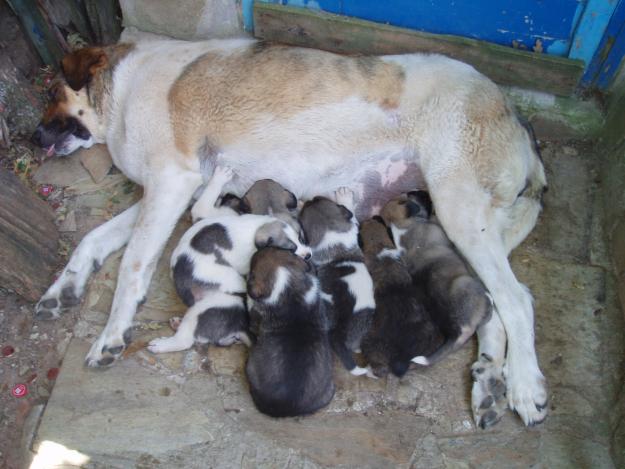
x: 281, y: 235
x: 266, y: 195
x: 402, y: 210
x: 320, y: 216
x: 273, y: 271
x: 374, y: 236
x: 70, y: 120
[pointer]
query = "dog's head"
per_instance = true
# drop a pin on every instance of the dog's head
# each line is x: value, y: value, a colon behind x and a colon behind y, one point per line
x: 401, y: 210
x: 281, y: 235
x: 273, y: 271
x: 374, y: 236
x: 70, y: 120
x: 320, y: 216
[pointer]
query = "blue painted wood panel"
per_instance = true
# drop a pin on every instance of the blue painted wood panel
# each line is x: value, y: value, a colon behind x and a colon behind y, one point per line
x: 546, y: 25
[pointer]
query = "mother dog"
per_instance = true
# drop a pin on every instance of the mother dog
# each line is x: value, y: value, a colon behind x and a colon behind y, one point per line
x: 313, y: 121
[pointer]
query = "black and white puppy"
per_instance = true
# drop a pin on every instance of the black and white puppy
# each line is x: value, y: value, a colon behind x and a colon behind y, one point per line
x: 456, y: 300
x: 402, y: 328
x: 211, y: 260
x: 332, y: 233
x: 289, y: 368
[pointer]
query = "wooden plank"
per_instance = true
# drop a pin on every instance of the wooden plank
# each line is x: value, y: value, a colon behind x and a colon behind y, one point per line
x: 28, y: 239
x: 507, y: 66
x: 105, y: 20
x: 38, y: 30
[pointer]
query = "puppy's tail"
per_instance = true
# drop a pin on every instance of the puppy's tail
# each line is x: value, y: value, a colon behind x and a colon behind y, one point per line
x: 449, y: 346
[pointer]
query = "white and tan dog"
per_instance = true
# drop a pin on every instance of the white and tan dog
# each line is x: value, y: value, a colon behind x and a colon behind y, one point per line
x: 313, y: 121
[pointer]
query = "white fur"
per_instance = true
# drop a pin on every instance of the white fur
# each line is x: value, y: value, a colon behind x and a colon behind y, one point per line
x: 360, y: 285
x: 281, y: 282
x: 348, y: 239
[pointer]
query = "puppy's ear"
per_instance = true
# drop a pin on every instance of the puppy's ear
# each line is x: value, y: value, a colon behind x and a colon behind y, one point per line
x: 232, y: 201
x: 423, y: 199
x: 258, y: 288
x: 360, y: 243
x: 263, y: 241
x: 79, y: 67
x: 347, y: 213
x: 244, y: 205
x: 290, y: 201
x: 379, y: 219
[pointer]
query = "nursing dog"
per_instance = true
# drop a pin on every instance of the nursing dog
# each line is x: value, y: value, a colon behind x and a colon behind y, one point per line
x: 209, y: 263
x: 402, y: 328
x: 332, y: 233
x: 289, y: 368
x: 315, y: 121
x: 455, y: 299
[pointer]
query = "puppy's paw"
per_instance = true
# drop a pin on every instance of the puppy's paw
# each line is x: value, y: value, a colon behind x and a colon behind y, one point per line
x: 344, y: 196
x: 359, y: 371
x: 108, y: 348
x: 174, y: 322
x: 169, y: 344
x: 527, y: 394
x: 488, y: 396
x: 55, y: 300
x: 223, y: 174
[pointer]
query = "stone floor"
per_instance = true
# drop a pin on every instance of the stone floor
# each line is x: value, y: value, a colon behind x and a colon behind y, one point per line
x: 192, y: 409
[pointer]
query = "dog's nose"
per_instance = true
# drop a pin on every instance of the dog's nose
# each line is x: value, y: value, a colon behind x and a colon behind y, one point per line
x: 308, y: 256
x: 35, y: 139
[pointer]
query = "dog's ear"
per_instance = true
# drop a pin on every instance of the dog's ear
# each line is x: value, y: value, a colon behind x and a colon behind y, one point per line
x: 379, y: 219
x: 360, y: 243
x: 232, y: 201
x: 290, y: 200
x: 347, y: 213
x: 244, y: 205
x: 258, y: 288
x: 424, y: 200
x: 80, y: 66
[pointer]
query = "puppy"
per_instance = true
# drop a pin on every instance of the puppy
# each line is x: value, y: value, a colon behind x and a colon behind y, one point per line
x: 211, y: 260
x: 289, y: 368
x: 457, y: 300
x: 332, y: 232
x: 402, y: 328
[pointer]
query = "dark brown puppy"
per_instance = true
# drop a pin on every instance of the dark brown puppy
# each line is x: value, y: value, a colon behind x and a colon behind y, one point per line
x: 402, y: 328
x: 456, y: 299
x: 289, y: 368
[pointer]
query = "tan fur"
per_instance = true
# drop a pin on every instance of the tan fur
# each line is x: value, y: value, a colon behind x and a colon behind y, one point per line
x: 232, y: 106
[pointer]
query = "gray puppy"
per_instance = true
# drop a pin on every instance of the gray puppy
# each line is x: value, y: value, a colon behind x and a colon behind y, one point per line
x: 456, y: 300
x: 332, y: 233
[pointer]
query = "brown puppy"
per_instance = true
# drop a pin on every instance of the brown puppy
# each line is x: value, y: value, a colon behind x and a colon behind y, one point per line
x: 456, y: 299
x: 402, y: 328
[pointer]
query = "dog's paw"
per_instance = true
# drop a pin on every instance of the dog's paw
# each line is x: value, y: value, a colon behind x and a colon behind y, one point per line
x: 344, y: 196
x: 488, y: 396
x: 107, y: 349
x: 55, y: 300
x: 359, y: 371
x: 527, y: 395
x: 223, y: 174
x: 160, y: 345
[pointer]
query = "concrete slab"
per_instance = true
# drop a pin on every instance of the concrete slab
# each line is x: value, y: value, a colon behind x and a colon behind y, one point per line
x: 192, y: 409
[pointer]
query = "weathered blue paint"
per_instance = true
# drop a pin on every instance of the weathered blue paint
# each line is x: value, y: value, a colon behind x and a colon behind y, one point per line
x: 247, y: 10
x: 610, y: 52
x: 592, y: 26
x: 544, y: 25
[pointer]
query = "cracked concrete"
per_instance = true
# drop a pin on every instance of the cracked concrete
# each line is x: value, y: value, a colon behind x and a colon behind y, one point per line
x: 192, y: 409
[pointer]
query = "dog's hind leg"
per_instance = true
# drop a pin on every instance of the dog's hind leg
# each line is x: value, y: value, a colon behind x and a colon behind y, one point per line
x: 95, y: 247
x: 469, y: 219
x: 337, y: 340
x: 184, y: 338
x: 160, y: 210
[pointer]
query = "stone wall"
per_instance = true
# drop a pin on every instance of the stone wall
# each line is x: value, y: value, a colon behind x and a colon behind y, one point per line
x: 613, y: 183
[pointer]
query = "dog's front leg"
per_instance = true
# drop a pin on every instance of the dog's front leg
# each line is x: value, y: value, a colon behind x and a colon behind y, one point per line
x: 88, y: 256
x: 164, y: 202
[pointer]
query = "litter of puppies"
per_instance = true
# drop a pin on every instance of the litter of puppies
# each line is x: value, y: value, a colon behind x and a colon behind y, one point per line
x: 297, y: 285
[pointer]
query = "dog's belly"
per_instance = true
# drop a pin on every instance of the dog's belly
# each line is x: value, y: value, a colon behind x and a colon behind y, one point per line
x: 375, y: 178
